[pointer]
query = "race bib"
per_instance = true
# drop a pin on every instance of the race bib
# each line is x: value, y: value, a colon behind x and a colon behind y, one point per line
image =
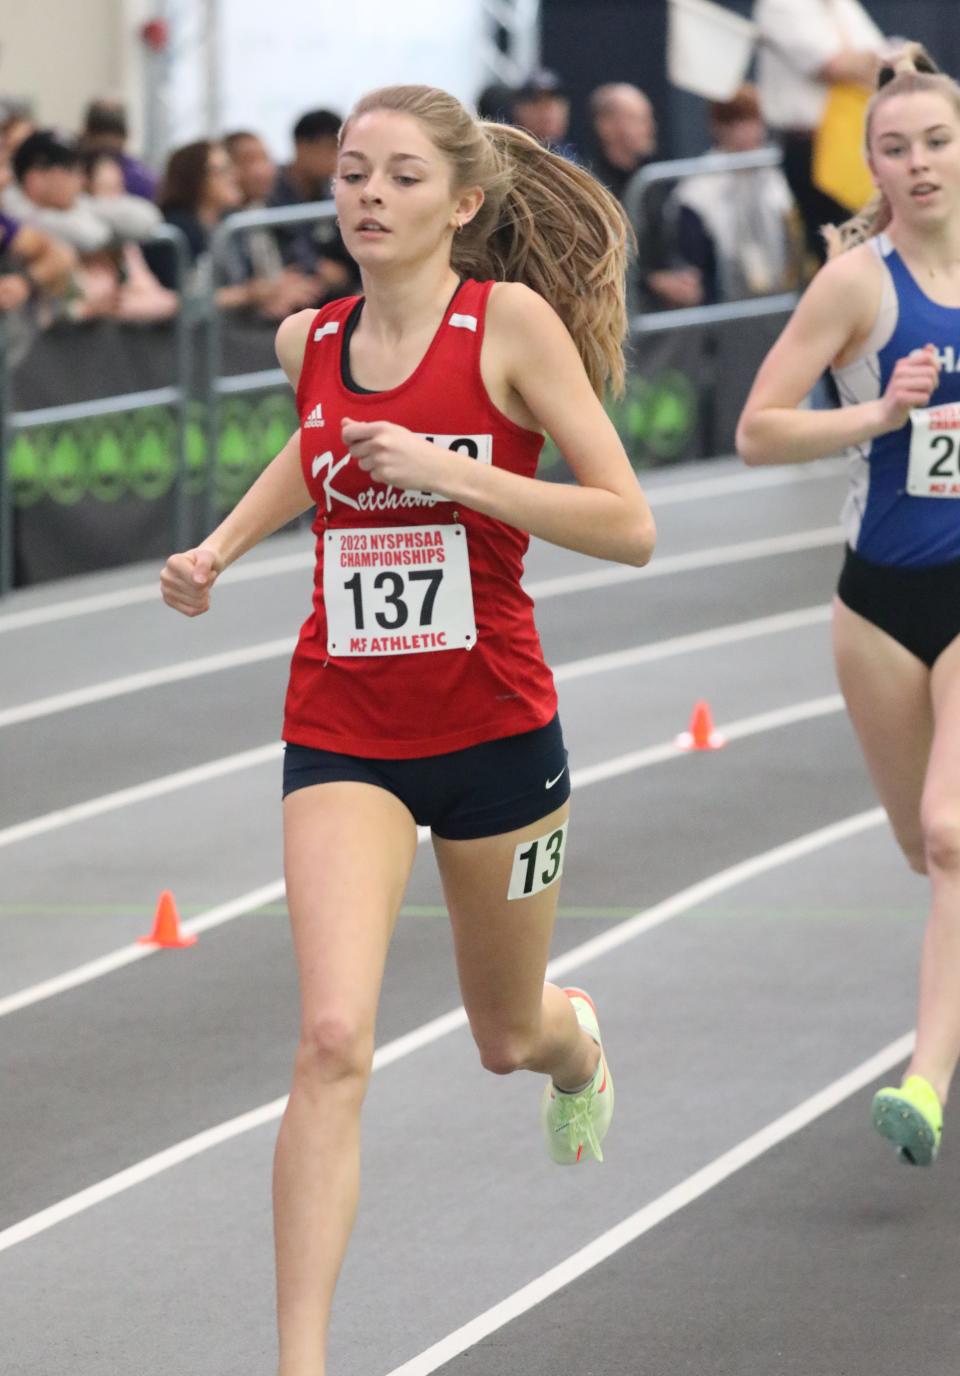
x: 935, y: 452
x: 397, y: 590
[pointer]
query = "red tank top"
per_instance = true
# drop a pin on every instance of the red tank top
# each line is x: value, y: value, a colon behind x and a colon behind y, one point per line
x: 421, y: 639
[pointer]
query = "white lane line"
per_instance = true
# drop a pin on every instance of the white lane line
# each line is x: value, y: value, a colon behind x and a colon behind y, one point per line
x: 732, y: 634
x: 579, y: 778
x: 745, y: 480
x: 579, y: 668
x: 139, y: 793
x: 147, y: 592
x: 442, y: 1026
x: 736, y: 730
x: 127, y: 955
x: 716, y: 557
x: 659, y: 1209
x: 694, y: 489
x: 149, y: 678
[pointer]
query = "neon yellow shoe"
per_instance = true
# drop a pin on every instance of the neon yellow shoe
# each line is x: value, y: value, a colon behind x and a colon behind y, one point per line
x: 573, y: 1123
x: 912, y: 1118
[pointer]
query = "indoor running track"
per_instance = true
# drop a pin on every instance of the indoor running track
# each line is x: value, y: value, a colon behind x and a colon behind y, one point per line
x: 742, y: 917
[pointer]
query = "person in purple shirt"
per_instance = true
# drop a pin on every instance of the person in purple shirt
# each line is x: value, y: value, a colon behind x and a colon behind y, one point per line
x: 105, y: 131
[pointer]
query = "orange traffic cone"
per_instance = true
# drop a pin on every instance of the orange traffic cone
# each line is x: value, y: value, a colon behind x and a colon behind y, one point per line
x: 166, y: 925
x: 702, y: 734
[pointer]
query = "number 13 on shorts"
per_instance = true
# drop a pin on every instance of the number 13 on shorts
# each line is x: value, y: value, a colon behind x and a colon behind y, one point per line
x: 537, y: 863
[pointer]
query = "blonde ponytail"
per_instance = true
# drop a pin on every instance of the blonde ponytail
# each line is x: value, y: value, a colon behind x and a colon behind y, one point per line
x: 544, y: 221
x: 912, y: 70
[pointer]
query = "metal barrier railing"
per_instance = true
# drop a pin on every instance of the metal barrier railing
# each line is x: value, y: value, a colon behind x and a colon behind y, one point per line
x: 280, y: 217
x: 679, y: 169
x: 218, y: 387
x: 175, y: 395
x: 643, y: 324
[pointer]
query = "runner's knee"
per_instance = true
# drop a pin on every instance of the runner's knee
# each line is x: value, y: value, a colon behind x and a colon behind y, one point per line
x: 504, y: 1051
x: 941, y: 838
x: 335, y: 1047
x: 915, y: 851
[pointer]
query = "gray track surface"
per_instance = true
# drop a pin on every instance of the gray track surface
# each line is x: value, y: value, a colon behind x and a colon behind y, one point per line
x: 822, y: 1257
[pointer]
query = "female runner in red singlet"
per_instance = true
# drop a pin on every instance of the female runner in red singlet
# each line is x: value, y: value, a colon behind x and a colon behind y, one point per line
x: 492, y: 311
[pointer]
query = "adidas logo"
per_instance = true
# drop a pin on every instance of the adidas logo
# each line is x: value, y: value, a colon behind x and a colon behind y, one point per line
x: 315, y: 418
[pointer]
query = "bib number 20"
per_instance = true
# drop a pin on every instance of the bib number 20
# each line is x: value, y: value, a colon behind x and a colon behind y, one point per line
x: 537, y: 864
x: 946, y: 448
x: 934, y: 465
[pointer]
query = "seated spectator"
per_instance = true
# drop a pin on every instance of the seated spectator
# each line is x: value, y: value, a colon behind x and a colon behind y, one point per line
x: 199, y: 189
x: 49, y: 194
x: 625, y: 132
x: 738, y: 228
x: 256, y: 175
x: 542, y: 107
x: 117, y: 282
x: 316, y: 250
x: 32, y: 263
x: 105, y: 131
x: 309, y: 177
x: 659, y: 278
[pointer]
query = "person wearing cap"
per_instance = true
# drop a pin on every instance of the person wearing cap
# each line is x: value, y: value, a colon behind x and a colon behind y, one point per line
x: 542, y: 107
x: 49, y: 193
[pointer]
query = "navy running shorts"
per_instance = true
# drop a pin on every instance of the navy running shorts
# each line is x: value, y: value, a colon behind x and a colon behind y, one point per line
x: 485, y: 790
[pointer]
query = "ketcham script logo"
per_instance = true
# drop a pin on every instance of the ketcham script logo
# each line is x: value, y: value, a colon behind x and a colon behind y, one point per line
x: 375, y: 498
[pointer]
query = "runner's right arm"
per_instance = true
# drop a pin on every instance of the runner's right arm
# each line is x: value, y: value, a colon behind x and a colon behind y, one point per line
x: 838, y: 309
x: 278, y: 496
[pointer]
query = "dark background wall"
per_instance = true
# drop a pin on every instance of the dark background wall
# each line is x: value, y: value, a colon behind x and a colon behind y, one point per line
x: 592, y: 41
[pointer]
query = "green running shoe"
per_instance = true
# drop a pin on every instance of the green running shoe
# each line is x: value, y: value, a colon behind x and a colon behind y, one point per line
x: 574, y: 1122
x: 912, y: 1118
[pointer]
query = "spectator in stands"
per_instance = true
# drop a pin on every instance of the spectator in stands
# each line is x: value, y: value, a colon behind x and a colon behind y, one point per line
x: 105, y: 131
x: 738, y: 228
x: 495, y: 102
x: 117, y: 281
x: 49, y: 193
x: 542, y: 107
x: 199, y: 188
x: 256, y: 174
x: 310, y: 176
x: 316, y: 249
x: 625, y: 131
x: 806, y: 47
x: 659, y: 278
x: 32, y: 263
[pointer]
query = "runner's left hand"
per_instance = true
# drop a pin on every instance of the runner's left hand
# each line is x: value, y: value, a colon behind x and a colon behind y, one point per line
x: 393, y: 455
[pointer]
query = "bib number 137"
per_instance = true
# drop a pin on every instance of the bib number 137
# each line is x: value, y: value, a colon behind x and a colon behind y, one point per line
x: 397, y: 590
x: 396, y: 600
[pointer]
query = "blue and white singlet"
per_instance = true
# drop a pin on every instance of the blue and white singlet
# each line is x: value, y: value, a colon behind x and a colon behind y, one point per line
x: 883, y: 522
